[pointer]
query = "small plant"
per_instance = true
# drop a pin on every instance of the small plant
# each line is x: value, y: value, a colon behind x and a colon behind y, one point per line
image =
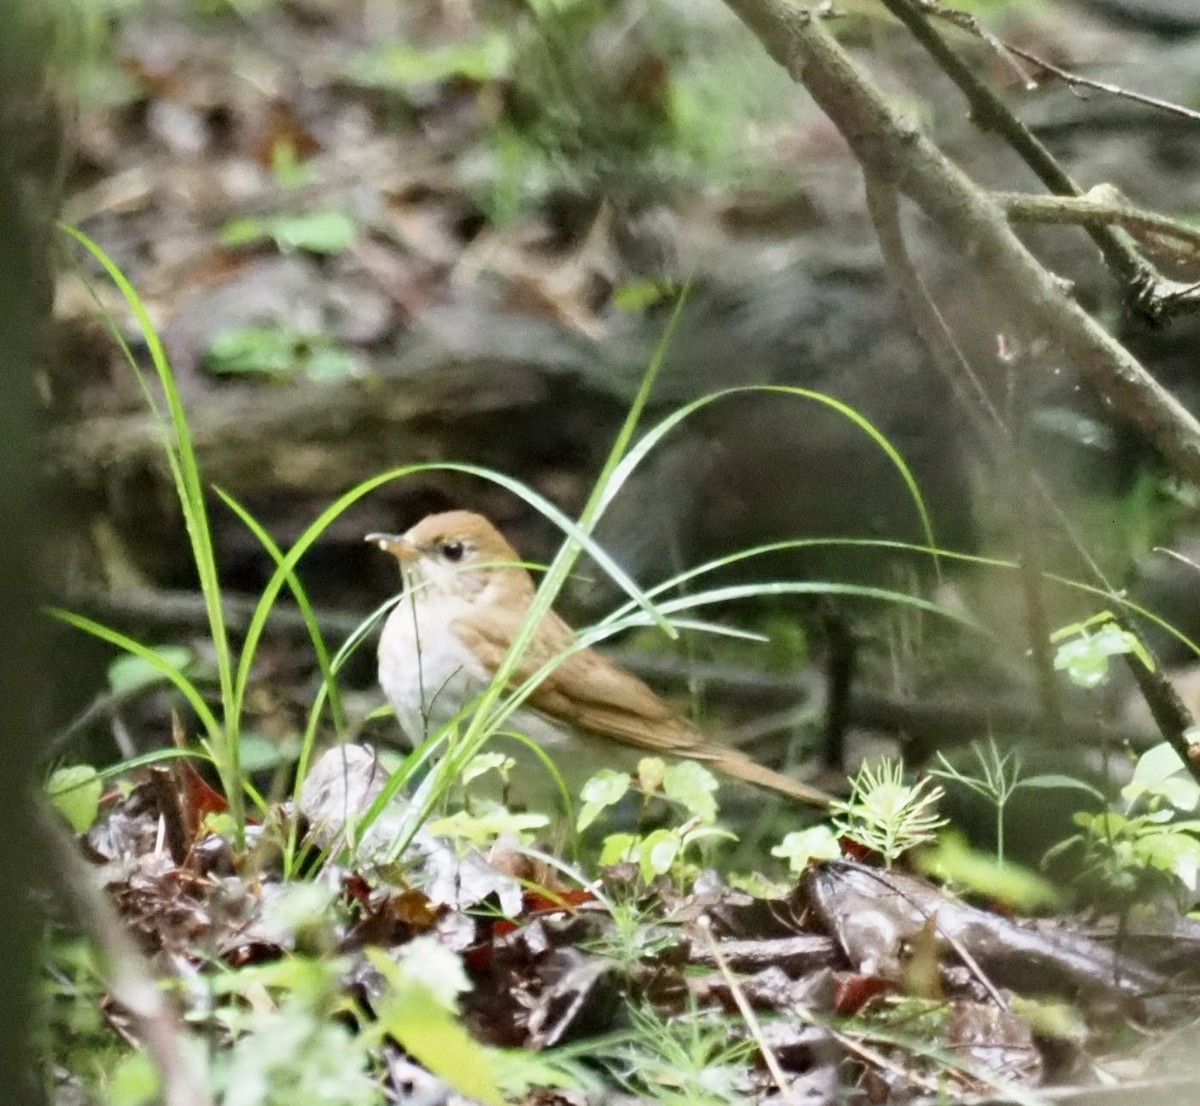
x: 280, y: 353
x: 886, y: 815
x: 687, y: 785
x: 1129, y: 852
x: 1086, y: 648
x: 635, y: 934
x: 318, y: 232
x: 1144, y: 846
x: 690, y: 1060
x: 999, y: 779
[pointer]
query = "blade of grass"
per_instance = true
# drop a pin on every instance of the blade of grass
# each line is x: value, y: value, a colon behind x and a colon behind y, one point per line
x: 645, y: 444
x: 306, y: 612
x: 186, y: 473
x: 578, y: 537
x: 154, y: 659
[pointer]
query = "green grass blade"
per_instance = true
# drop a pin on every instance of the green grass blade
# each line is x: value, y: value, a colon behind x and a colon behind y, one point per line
x: 186, y: 474
x: 165, y: 668
x: 645, y: 444
x: 242, y: 677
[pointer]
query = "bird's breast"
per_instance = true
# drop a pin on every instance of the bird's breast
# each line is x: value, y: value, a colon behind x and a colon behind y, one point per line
x: 425, y: 670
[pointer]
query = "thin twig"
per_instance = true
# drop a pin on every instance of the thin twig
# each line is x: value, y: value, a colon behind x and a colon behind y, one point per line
x: 1147, y: 292
x: 1099, y: 206
x: 990, y: 113
x: 948, y: 357
x: 748, y: 1015
x: 967, y: 22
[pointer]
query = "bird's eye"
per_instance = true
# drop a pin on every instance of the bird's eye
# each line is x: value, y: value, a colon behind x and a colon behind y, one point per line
x: 452, y: 550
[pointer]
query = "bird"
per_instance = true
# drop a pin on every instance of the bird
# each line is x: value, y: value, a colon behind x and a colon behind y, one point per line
x: 466, y: 594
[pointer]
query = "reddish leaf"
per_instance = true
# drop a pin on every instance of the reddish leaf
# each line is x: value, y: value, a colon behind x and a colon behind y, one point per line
x: 852, y: 992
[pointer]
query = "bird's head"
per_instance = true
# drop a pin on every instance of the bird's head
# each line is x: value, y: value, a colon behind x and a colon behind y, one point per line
x: 458, y: 554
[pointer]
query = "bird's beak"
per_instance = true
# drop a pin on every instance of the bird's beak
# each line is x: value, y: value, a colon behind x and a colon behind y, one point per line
x: 403, y: 550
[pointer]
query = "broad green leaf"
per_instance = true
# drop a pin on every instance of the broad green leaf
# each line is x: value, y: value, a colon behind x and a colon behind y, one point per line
x: 603, y: 790
x: 1086, y: 658
x: 1174, y: 852
x: 606, y: 787
x: 617, y: 848
x: 400, y: 64
x: 75, y: 793
x: 650, y: 773
x: 128, y: 672
x: 415, y: 1012
x: 639, y: 294
x: 133, y: 1082
x: 279, y: 352
x: 320, y: 232
x: 694, y: 787
x: 323, y: 232
x: 800, y: 847
x: 658, y: 852
x: 1156, y: 764
x: 487, y: 762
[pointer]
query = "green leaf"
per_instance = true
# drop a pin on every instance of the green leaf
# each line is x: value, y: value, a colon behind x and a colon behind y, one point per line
x: 604, y: 789
x: 252, y: 349
x: 639, y: 294
x: 328, y: 363
x: 1160, y: 772
x: 1174, y: 852
x: 1156, y: 764
x: 414, y: 1011
x: 953, y: 859
x: 244, y: 232
x: 650, y: 773
x: 693, y: 786
x: 322, y: 232
x: 658, y: 852
x: 325, y: 231
x: 483, y: 829
x: 133, y: 1082
x: 75, y: 793
x: 128, y: 672
x: 1085, y: 658
x: 487, y: 762
x: 800, y: 847
x: 400, y: 64
x: 617, y: 848
x: 279, y: 351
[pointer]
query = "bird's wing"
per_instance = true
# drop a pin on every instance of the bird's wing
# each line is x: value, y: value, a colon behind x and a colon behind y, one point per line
x: 586, y: 690
x: 596, y: 695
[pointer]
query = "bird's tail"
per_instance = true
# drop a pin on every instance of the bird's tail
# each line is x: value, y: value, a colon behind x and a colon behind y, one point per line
x: 743, y: 768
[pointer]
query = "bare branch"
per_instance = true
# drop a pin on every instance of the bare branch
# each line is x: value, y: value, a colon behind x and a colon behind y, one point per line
x: 1146, y: 292
x: 1104, y: 204
x: 892, y: 148
x: 967, y: 22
